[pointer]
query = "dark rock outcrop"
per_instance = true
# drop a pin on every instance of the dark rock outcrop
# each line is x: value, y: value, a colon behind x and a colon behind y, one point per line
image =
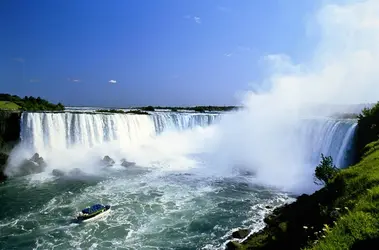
x: 3, y: 162
x: 76, y: 172
x: 107, y: 161
x: 232, y: 245
x: 9, y: 136
x: 9, y: 129
x: 240, y: 234
x: 58, y: 173
x: 72, y: 172
x: 34, y: 165
x: 126, y: 163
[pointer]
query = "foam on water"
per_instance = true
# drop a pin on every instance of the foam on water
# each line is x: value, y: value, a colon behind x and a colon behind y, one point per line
x: 149, y: 208
x: 273, y: 138
x: 170, y: 141
x: 184, y: 193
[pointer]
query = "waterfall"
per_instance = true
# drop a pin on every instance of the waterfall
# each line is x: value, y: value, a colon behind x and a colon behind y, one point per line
x: 329, y: 137
x: 174, y: 121
x: 52, y: 134
x: 43, y: 132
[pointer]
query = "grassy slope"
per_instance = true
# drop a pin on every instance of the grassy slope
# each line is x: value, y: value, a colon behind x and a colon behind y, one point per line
x: 359, y: 226
x: 5, y: 105
x: 343, y: 216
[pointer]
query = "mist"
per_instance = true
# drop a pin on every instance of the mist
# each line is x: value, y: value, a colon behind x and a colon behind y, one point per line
x: 342, y: 71
x: 267, y: 138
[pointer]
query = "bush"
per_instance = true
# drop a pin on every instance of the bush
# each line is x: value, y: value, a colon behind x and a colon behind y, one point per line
x: 325, y: 171
x: 148, y: 108
x: 368, y: 128
x: 30, y: 103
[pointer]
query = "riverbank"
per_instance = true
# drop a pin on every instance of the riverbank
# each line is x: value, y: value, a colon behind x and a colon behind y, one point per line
x: 342, y: 215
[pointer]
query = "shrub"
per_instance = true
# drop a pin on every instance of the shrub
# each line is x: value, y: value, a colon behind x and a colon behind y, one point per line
x: 325, y: 171
x: 368, y: 128
x: 148, y: 108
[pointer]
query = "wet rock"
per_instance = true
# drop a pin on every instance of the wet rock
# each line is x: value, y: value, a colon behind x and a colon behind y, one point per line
x: 126, y: 163
x: 107, y: 161
x: 34, y: 165
x: 3, y: 162
x: 76, y: 171
x: 39, y: 160
x: 57, y: 172
x: 243, y: 170
x: 240, y: 234
x: 232, y: 245
x: 269, y: 207
x: 246, y: 172
x: 35, y: 157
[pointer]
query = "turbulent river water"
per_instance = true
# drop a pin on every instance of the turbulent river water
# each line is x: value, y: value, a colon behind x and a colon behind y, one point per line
x: 183, y: 193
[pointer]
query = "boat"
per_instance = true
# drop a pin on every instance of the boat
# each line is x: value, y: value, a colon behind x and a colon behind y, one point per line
x: 93, y: 212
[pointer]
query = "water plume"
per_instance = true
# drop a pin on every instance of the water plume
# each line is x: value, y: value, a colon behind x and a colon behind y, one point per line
x: 342, y: 71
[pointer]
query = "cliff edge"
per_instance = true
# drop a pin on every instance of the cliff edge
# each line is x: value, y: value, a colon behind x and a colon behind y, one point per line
x: 9, y: 136
x: 344, y: 214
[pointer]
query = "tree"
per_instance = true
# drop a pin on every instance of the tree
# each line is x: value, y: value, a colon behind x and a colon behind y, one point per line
x: 325, y: 171
x: 148, y: 108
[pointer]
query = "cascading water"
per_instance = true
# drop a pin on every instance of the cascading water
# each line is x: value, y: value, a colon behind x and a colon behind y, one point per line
x: 164, y: 121
x: 151, y: 208
x: 329, y: 137
x: 44, y: 132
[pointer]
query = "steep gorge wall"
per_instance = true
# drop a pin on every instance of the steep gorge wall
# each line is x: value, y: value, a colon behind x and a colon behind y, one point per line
x: 9, y: 136
x: 9, y: 129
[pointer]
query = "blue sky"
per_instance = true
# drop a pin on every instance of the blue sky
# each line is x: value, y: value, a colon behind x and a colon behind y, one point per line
x: 165, y: 52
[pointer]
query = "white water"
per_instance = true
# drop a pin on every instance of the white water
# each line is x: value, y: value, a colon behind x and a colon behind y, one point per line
x: 157, y: 205
x: 184, y: 141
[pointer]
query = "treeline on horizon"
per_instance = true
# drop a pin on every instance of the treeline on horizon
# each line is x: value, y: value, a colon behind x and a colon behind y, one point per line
x: 143, y: 110
x: 119, y: 111
x: 194, y: 108
x: 30, y: 103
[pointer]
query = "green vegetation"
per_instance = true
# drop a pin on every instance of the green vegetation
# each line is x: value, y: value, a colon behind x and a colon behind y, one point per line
x: 14, y: 102
x: 344, y: 214
x: 148, y: 108
x: 111, y: 111
x: 325, y: 171
x: 346, y: 116
x: 6, y: 105
x: 368, y: 128
x: 119, y: 111
x: 195, y: 108
x: 140, y: 110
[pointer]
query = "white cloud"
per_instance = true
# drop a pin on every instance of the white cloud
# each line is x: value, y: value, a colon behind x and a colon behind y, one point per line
x: 112, y: 81
x: 197, y: 19
x: 73, y: 79
x: 271, y: 136
x: 344, y: 64
x: 228, y: 54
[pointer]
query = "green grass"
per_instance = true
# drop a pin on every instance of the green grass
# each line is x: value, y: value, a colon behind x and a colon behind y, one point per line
x: 6, y: 105
x: 361, y: 223
x: 342, y: 215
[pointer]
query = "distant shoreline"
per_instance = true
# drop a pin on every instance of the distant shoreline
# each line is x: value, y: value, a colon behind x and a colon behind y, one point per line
x: 161, y: 108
